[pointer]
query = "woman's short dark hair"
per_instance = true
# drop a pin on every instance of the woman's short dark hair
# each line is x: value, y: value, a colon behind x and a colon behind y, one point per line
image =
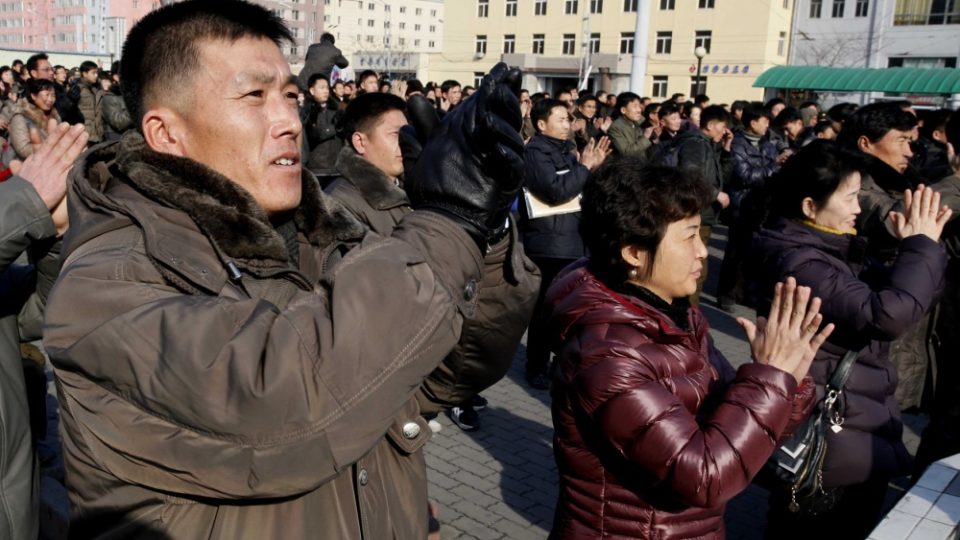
x: 816, y: 171
x: 35, y: 86
x: 627, y: 203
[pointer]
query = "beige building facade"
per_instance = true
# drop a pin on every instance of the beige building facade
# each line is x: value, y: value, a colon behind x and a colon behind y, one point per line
x: 393, y: 37
x: 590, y: 43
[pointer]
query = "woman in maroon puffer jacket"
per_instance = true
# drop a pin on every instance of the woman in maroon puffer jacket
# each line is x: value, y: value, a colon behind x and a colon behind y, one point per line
x: 654, y: 431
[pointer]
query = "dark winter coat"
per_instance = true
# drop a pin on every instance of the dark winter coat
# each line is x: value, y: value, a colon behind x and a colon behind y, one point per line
x: 554, y: 176
x: 116, y: 117
x: 321, y: 57
x: 930, y: 160
x: 506, y: 295
x: 752, y: 166
x: 320, y: 126
x: 654, y: 432
x: 698, y: 153
x: 211, y: 384
x: 868, y: 316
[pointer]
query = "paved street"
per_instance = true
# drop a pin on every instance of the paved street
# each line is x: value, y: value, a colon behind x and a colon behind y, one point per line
x: 499, y: 482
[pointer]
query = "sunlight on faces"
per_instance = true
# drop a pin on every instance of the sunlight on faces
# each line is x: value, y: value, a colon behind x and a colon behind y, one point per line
x: 633, y: 111
x: 242, y: 123
x: 842, y: 208
x: 672, y: 122
x: 380, y: 145
x: 678, y: 262
x: 893, y: 148
x: 588, y: 109
x: 320, y: 91
x: 557, y: 125
x: 715, y: 130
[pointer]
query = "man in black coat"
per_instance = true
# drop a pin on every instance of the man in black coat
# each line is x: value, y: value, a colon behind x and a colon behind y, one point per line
x: 554, y: 175
x: 321, y: 57
x: 707, y: 152
x: 319, y: 116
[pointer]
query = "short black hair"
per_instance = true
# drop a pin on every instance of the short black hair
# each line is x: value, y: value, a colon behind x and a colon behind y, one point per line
x: 841, y: 111
x: 934, y: 120
x: 448, y: 85
x: 34, y: 61
x: 364, y: 112
x: 625, y: 202
x: 327, y: 37
x: 623, y: 99
x: 582, y: 100
x: 164, y: 47
x: 678, y: 94
x: 650, y: 109
x: 17, y: 61
x: 87, y: 65
x: 317, y: 77
x: 542, y: 108
x: 413, y: 85
x: 701, y: 99
x: 816, y: 171
x: 714, y: 113
x: 787, y: 115
x: 822, y: 126
x: 366, y: 74
x: 806, y: 104
x: 752, y: 113
x: 873, y: 122
x: 35, y: 86
x: 770, y: 104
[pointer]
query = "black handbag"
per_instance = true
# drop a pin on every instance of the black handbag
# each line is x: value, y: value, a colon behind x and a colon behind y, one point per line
x: 796, y: 466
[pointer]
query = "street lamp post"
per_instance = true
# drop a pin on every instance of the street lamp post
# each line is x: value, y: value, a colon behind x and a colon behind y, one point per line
x: 699, y: 52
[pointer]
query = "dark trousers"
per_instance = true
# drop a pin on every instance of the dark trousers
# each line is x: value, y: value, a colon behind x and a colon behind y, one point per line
x: 538, y: 348
x: 853, y: 518
x: 731, y: 279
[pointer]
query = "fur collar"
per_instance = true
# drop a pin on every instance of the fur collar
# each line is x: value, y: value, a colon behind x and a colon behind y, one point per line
x: 36, y: 116
x: 378, y: 189
x: 226, y: 213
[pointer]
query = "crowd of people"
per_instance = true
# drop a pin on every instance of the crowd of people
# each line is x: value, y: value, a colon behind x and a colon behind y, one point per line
x: 259, y: 290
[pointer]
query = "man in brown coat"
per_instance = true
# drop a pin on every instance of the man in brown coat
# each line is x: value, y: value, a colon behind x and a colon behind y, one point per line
x: 235, y: 353
x: 91, y: 100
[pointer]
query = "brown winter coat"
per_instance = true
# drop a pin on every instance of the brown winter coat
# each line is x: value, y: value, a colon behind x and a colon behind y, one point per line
x: 91, y: 107
x: 654, y: 432
x: 211, y: 389
x: 508, y: 289
x: 28, y: 116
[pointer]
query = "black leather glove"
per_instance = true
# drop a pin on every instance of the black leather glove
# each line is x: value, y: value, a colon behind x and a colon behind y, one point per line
x: 471, y: 167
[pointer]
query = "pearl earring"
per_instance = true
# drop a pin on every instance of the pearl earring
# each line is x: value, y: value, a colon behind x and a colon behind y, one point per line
x: 632, y: 274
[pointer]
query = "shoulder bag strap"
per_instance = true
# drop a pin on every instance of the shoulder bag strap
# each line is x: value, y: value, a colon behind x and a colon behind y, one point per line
x: 840, y: 375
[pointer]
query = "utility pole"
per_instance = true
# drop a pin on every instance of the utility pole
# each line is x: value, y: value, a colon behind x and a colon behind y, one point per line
x: 641, y: 34
x: 585, y: 51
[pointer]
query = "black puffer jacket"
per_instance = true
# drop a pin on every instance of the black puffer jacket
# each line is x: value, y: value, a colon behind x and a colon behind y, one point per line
x: 699, y: 153
x: 554, y: 176
x: 868, y: 317
x: 320, y: 126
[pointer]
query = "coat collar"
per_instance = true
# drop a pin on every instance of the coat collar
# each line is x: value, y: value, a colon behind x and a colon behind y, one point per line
x: 379, y: 190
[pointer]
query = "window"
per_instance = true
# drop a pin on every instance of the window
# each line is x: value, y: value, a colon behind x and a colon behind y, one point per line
x: 371, y: 6
x: 664, y: 42
x: 509, y: 43
x: 433, y: 28
x: 838, y: 6
x: 403, y: 9
x: 668, y: 5
x: 705, y: 4
x: 569, y: 44
x: 431, y: 44
x: 511, y: 8
x: 594, y: 43
x: 481, y: 45
x: 703, y: 39
x: 659, y: 86
x: 433, y: 13
x: 418, y: 12
x: 403, y: 26
x: 782, y: 44
x: 416, y: 28
x: 538, y: 40
x: 862, y: 7
x: 386, y: 24
x: 370, y: 23
x: 570, y: 7
x: 596, y: 6
x: 626, y: 43
x: 630, y: 6
x: 483, y: 8
x: 539, y: 7
x: 694, y: 90
x: 416, y: 43
x: 402, y: 41
x: 786, y: 4
x: 921, y: 12
x: 816, y: 8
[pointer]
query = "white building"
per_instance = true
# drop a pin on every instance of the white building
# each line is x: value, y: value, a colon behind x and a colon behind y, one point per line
x: 393, y: 37
x: 877, y: 34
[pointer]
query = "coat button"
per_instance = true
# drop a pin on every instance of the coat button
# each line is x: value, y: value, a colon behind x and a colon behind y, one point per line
x: 411, y: 430
x: 470, y: 291
x: 362, y: 477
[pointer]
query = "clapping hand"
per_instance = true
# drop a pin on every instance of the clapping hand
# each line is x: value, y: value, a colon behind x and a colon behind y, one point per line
x: 595, y: 152
x: 788, y: 339
x: 922, y: 214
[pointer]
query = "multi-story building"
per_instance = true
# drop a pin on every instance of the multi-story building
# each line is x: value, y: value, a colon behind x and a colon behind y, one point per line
x: 877, y: 34
x: 100, y: 26
x: 556, y: 42
x: 394, y: 37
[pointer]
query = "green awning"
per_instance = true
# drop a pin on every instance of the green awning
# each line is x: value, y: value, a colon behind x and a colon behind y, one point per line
x: 899, y: 80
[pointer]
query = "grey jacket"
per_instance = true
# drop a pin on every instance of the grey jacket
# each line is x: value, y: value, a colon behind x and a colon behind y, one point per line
x: 211, y: 386
x: 25, y: 225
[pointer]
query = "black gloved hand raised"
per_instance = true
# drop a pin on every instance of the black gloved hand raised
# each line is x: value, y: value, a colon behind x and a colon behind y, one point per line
x: 471, y: 167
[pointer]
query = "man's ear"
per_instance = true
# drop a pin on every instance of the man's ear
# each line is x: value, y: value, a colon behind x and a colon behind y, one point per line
x: 359, y: 143
x: 164, y: 131
x: 863, y: 143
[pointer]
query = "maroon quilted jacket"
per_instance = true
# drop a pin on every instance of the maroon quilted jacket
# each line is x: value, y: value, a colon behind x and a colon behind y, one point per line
x: 654, y: 432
